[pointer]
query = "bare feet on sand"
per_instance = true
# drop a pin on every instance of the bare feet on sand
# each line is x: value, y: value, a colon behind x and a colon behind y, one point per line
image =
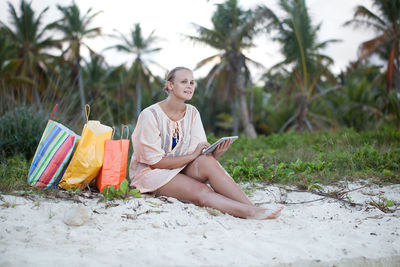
x: 265, y: 214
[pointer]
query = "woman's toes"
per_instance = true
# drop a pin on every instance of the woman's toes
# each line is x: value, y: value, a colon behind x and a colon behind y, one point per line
x: 274, y: 214
x: 265, y: 214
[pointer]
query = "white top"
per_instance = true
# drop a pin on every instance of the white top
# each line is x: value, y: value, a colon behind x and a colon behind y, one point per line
x: 152, y: 140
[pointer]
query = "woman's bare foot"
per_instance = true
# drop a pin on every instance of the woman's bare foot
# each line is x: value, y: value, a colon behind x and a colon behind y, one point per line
x: 266, y: 214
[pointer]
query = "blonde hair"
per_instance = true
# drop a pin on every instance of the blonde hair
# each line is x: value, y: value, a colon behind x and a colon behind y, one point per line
x: 171, y: 76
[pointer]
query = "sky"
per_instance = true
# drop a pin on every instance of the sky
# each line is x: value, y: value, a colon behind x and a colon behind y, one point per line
x: 171, y: 20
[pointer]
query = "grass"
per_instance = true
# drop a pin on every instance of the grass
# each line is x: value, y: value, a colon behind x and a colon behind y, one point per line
x: 302, y: 159
x: 323, y: 157
x: 13, y: 174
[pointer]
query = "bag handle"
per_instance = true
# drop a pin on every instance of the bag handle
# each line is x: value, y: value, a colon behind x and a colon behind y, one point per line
x: 113, y: 132
x: 54, y: 112
x: 87, y: 112
x: 127, y: 131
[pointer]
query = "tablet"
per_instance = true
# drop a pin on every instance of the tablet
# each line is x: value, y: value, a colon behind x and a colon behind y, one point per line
x: 211, y: 148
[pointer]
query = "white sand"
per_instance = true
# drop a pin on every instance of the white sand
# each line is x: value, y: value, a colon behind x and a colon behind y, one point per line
x: 33, y: 232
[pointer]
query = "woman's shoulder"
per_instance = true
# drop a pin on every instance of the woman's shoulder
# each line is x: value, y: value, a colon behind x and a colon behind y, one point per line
x: 193, y: 109
x: 150, y: 111
x: 151, y: 107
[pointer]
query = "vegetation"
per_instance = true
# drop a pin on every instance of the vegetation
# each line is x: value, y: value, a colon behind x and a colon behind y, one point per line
x: 139, y: 75
x: 13, y: 174
x: 20, y: 132
x: 298, y: 39
x: 75, y: 29
x: 346, y: 125
x: 303, y: 159
x: 385, y: 20
x: 233, y: 31
x: 27, y: 65
x: 123, y: 192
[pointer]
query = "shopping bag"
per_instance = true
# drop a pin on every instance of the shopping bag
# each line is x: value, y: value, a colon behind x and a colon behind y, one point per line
x: 52, y: 154
x: 115, y: 160
x: 88, y: 156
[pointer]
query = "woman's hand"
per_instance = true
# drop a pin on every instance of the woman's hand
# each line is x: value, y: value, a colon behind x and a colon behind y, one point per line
x: 199, y: 149
x: 180, y: 161
x: 222, y: 148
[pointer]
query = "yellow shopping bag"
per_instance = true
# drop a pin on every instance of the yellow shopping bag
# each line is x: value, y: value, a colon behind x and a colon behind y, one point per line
x: 88, y: 156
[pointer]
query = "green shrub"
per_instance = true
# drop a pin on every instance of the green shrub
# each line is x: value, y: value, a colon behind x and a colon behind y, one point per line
x: 13, y: 173
x: 369, y: 157
x: 319, y: 156
x: 249, y: 170
x: 123, y: 192
x: 20, y: 131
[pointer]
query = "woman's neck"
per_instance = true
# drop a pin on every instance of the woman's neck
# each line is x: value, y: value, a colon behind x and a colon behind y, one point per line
x: 174, y: 105
x: 174, y: 108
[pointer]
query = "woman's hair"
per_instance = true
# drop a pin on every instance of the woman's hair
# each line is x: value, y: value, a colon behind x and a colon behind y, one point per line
x: 171, y: 76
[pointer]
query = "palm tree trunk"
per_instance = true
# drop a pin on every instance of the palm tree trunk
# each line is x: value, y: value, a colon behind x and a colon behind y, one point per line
x: 251, y: 105
x: 138, y: 98
x: 248, y: 127
x: 390, y: 73
x: 234, y: 105
x: 36, y: 96
x: 301, y: 118
x: 397, y: 68
x: 35, y: 91
x: 81, y: 91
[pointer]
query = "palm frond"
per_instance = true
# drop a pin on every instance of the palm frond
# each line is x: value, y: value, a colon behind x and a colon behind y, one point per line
x: 359, y: 23
x: 363, y: 12
x: 207, y: 60
x: 323, y: 44
x: 369, y: 47
x: 208, y: 36
x: 255, y: 63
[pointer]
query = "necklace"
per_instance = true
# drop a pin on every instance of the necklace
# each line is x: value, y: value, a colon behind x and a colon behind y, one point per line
x: 172, y: 113
x: 175, y: 133
x: 178, y: 117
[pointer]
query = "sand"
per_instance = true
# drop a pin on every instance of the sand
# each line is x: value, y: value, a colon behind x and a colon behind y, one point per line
x: 42, y: 231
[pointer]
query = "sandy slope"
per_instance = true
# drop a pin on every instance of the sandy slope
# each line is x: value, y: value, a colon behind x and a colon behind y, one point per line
x: 159, y: 232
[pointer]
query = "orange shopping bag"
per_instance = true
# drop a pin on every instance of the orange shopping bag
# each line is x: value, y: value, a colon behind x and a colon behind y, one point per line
x: 115, y: 160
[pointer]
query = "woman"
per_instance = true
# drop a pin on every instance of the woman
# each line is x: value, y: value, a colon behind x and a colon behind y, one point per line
x: 168, y: 141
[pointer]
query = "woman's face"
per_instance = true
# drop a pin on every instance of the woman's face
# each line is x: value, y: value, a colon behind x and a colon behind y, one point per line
x: 183, y: 85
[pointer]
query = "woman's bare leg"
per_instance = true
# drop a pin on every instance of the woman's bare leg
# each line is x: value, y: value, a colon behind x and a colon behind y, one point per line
x: 207, y: 168
x: 186, y: 188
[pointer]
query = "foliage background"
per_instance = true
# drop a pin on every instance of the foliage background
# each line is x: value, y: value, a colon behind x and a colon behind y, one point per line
x: 42, y: 64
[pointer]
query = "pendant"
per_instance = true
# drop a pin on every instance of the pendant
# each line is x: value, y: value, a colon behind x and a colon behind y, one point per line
x: 175, y: 134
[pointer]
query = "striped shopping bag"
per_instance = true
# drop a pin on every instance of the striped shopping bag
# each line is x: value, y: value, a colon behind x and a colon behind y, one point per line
x: 52, y: 155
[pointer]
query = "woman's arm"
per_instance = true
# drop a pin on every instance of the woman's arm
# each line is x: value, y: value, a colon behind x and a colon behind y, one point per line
x: 179, y: 161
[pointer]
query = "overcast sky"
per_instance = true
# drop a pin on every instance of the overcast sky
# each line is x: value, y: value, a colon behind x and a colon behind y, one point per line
x: 172, y: 19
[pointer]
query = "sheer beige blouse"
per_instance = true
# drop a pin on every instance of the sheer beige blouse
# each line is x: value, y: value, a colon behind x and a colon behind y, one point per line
x: 152, y: 140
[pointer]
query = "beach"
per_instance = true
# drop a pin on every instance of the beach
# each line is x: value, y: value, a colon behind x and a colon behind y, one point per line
x: 343, y: 227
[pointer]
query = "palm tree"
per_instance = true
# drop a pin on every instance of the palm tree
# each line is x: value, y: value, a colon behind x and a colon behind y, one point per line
x: 233, y: 31
x: 76, y: 29
x: 363, y: 103
x: 385, y: 20
x: 30, y: 61
x: 299, y: 45
x: 103, y: 84
x: 7, y: 54
x: 95, y: 72
x: 139, y: 74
